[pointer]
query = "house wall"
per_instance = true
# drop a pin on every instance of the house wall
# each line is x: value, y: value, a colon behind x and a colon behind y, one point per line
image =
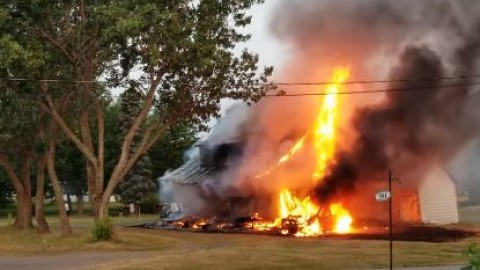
x: 438, y: 198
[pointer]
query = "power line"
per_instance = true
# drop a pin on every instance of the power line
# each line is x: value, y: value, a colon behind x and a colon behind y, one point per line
x: 373, y: 91
x: 462, y: 77
x: 424, y: 88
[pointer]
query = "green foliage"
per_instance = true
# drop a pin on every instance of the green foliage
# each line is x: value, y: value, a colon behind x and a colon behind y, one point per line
x: 182, y: 51
x: 70, y: 167
x: 138, y: 183
x: 113, y: 142
x: 6, y: 190
x: 103, y: 230
x: 472, y: 253
x: 148, y: 204
x: 168, y: 152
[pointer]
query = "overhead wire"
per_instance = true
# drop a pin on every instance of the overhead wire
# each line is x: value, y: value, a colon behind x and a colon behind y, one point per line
x: 366, y: 91
x: 461, y: 77
x: 373, y: 91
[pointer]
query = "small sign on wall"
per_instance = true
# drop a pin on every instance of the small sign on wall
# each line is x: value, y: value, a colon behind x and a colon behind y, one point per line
x: 382, y: 196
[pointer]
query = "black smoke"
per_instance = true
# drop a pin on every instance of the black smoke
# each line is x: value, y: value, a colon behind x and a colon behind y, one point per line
x: 422, y: 120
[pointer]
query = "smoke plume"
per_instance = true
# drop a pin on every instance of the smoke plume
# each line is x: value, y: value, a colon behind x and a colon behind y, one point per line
x: 420, y: 122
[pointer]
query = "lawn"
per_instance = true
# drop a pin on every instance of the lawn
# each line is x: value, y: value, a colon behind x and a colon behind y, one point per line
x: 161, y: 249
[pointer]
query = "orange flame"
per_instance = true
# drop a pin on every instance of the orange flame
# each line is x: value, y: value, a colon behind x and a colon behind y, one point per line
x: 325, y: 128
x: 306, y: 213
x: 323, y: 131
x: 343, y: 220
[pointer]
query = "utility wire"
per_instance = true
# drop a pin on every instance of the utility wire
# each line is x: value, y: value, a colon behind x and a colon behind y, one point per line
x: 462, y: 77
x: 372, y: 91
x: 423, y: 88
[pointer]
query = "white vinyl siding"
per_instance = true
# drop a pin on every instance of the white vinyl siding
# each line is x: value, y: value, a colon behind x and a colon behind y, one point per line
x: 438, y: 198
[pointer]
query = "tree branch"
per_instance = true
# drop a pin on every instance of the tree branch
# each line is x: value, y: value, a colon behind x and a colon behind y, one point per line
x: 57, y: 44
x: 17, y: 183
x: 51, y: 108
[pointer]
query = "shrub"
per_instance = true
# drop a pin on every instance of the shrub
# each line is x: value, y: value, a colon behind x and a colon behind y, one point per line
x: 10, y: 218
x: 103, y: 230
x: 148, y: 204
x: 473, y: 255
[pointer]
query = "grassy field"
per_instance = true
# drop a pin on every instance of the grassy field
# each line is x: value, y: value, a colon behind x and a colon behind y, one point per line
x: 161, y: 249
x: 470, y: 215
x: 182, y: 250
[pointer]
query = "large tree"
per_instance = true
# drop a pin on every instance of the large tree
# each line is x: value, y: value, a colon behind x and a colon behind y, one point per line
x: 169, y: 152
x: 182, y: 50
x: 26, y: 131
x: 6, y: 190
x: 138, y: 183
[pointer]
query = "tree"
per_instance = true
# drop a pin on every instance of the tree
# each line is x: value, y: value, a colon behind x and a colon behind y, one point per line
x: 138, y: 182
x: 183, y: 50
x: 70, y: 168
x: 24, y: 127
x: 169, y: 152
x: 5, y: 191
x: 17, y: 126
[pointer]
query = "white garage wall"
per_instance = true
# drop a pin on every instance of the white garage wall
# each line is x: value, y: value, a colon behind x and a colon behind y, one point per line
x: 438, y: 198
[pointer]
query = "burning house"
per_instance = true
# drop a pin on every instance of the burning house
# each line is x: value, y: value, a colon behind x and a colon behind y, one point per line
x: 311, y: 162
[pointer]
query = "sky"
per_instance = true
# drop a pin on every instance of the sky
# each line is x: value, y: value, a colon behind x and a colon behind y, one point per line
x: 271, y: 51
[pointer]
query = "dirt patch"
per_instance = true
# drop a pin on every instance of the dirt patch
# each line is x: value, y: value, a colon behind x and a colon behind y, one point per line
x: 432, y: 234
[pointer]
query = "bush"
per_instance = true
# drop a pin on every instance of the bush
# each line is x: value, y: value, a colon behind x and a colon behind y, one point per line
x: 103, y: 230
x: 148, y: 204
x: 10, y: 219
x: 473, y: 255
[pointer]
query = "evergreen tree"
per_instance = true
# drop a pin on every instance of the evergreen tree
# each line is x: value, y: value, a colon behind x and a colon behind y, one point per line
x: 138, y: 183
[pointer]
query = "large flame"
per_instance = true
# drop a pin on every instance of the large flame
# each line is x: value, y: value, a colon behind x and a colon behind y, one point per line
x: 305, y: 212
x: 325, y: 125
x: 310, y: 218
x: 343, y: 220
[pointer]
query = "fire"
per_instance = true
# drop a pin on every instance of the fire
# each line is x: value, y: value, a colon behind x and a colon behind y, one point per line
x: 343, y: 221
x: 324, y: 129
x: 304, y: 212
x: 298, y: 145
x: 303, y: 217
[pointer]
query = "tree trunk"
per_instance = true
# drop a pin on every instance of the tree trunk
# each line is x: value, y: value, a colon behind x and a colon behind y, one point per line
x: 103, y: 207
x: 40, y: 198
x: 91, y: 187
x: 79, y: 196
x: 62, y: 212
x: 23, y: 219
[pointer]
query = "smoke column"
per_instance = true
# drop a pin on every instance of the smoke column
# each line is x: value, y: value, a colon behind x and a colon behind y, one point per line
x: 407, y: 131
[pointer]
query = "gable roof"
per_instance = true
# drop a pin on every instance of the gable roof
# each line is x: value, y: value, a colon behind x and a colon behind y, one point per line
x: 191, y: 172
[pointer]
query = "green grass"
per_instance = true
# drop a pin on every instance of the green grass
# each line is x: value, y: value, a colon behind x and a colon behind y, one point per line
x: 162, y: 249
x: 470, y: 215
x: 221, y: 251
x: 182, y: 250
x: 17, y: 242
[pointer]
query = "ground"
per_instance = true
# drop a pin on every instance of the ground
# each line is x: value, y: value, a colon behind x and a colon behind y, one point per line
x: 134, y: 248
